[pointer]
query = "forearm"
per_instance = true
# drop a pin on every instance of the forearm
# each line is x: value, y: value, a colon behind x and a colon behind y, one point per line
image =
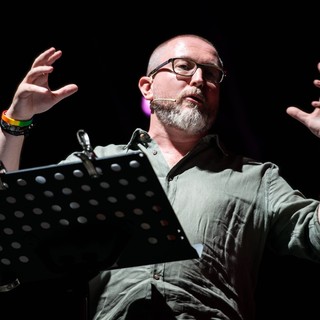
x: 10, y: 150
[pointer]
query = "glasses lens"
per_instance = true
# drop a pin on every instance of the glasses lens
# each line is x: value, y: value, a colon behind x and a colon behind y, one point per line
x: 185, y: 67
x: 212, y: 74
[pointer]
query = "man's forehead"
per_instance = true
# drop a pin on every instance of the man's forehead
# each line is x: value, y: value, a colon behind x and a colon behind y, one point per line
x: 192, y: 48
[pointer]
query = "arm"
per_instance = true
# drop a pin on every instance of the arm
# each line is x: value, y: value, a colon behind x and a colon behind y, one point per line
x: 33, y: 96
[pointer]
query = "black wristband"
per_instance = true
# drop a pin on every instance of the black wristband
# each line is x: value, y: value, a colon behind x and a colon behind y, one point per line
x: 15, y: 130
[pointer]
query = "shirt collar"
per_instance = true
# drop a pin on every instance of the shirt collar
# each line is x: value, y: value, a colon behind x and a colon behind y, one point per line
x: 141, y: 136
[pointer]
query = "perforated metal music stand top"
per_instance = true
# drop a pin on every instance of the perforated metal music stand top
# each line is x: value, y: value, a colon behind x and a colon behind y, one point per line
x: 59, y: 220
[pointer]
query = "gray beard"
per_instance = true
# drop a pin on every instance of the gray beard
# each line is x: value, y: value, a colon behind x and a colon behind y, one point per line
x: 190, y: 120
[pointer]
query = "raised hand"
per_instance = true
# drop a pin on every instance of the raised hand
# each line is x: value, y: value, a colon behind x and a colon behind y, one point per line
x: 33, y: 94
x: 310, y: 120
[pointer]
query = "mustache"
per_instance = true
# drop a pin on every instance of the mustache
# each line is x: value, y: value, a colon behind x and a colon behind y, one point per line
x: 193, y: 93
x: 196, y: 93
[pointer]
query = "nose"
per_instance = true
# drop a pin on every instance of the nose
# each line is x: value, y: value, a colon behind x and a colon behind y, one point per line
x: 197, y: 79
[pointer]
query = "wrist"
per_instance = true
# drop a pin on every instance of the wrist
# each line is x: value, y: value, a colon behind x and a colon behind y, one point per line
x: 16, y: 115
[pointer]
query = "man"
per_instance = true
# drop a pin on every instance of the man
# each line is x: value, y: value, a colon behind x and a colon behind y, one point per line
x: 234, y: 206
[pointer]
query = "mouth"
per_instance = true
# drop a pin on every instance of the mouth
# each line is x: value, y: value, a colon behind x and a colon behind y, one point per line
x: 195, y: 98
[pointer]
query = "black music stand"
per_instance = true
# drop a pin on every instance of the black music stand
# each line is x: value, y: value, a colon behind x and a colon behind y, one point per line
x: 72, y: 219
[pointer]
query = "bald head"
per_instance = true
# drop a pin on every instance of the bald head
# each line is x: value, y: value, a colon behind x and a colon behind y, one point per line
x: 163, y: 51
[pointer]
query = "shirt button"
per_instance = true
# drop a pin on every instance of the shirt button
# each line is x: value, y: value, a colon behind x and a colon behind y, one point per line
x: 154, y: 152
x: 156, y: 277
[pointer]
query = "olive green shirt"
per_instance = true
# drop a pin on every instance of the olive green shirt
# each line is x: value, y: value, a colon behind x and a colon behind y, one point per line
x: 235, y: 207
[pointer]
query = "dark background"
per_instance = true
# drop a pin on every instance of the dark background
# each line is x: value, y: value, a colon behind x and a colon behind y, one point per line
x: 270, y: 55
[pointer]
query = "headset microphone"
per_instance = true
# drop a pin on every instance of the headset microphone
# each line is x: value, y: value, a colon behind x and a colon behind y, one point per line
x: 164, y: 99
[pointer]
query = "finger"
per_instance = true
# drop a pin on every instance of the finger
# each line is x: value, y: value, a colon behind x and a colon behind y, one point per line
x: 27, y: 88
x: 317, y: 83
x: 43, y: 56
x: 47, y: 57
x: 316, y: 103
x: 38, y: 73
x: 65, y: 91
x: 297, y: 114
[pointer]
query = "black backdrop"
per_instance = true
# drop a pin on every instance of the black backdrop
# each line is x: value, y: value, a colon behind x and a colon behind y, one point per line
x: 270, y: 55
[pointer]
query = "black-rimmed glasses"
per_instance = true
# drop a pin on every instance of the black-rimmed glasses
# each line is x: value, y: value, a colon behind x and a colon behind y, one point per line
x: 187, y: 68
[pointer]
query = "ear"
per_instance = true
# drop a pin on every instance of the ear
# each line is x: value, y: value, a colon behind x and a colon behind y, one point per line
x: 145, y: 86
